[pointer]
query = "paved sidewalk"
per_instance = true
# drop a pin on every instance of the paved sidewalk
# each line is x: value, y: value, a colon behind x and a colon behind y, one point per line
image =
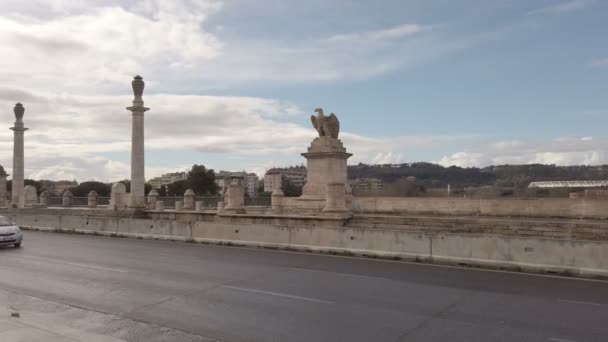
x: 43, y: 320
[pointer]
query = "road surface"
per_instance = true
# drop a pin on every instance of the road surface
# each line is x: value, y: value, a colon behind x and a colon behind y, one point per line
x: 238, y: 294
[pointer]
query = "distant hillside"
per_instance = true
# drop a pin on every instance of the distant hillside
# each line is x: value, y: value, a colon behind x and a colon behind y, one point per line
x: 436, y: 176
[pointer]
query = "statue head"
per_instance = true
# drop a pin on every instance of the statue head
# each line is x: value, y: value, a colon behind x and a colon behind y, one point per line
x: 19, y: 111
x: 138, y: 86
x: 319, y: 111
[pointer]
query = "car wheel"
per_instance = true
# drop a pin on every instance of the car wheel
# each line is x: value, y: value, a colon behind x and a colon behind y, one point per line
x: 17, y: 245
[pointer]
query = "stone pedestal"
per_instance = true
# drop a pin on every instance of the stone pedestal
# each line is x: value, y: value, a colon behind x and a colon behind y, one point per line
x: 44, y: 198
x: 18, y: 198
x: 199, y: 206
x: 92, y: 199
x: 325, y: 164
x: 67, y: 198
x: 152, y: 199
x: 189, y: 198
x: 179, y: 205
x: 335, y: 198
x: 276, y: 201
x: 160, y: 205
x: 138, y: 180
x: 118, y: 196
x: 235, y: 199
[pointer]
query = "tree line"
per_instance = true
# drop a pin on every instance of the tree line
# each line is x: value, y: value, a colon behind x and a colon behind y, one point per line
x: 200, y: 179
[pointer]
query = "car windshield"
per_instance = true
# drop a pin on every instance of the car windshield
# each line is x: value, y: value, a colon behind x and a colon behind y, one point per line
x: 5, y: 222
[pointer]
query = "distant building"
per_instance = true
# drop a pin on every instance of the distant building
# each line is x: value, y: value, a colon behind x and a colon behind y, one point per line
x: 249, y: 181
x: 569, y: 184
x: 167, y: 179
x: 274, y: 177
x: 367, y: 185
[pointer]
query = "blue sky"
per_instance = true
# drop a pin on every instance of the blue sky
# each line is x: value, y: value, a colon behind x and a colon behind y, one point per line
x: 232, y: 83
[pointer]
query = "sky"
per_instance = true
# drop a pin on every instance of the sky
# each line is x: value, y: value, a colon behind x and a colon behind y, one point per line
x: 231, y: 84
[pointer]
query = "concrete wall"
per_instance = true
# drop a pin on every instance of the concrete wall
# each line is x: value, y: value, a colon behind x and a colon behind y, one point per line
x: 546, y: 207
x: 524, y: 246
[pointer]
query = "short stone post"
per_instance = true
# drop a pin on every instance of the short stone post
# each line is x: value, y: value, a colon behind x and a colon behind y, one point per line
x: 276, y: 201
x: 44, y: 198
x: 220, y: 206
x: 335, y: 198
x: 92, y: 199
x: 179, y: 205
x: 160, y: 205
x: 117, y: 197
x: 199, y: 205
x: 30, y: 196
x: 235, y: 199
x: 189, y: 198
x: 67, y: 198
x: 152, y: 199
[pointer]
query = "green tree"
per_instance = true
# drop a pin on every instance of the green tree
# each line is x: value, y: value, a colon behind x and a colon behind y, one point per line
x: 202, y: 180
x: 290, y: 189
x: 147, y: 188
x: 83, y: 189
x: 162, y: 192
x: 177, y: 188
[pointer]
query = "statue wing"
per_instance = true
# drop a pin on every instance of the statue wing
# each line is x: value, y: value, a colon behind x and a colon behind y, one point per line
x: 334, y: 125
x: 315, y: 122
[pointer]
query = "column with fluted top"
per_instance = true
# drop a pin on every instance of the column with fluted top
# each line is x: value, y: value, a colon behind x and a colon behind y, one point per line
x: 138, y: 180
x: 18, y: 198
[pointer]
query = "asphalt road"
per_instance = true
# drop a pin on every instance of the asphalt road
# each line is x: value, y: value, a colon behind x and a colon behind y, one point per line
x: 238, y: 294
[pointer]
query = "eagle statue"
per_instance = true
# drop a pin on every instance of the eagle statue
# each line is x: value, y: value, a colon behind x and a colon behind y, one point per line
x: 327, y: 126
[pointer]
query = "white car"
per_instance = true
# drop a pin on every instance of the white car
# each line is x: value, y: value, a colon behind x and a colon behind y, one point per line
x: 10, y: 234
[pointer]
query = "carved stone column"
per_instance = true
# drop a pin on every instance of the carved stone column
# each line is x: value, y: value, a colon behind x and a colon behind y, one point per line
x: 18, y: 198
x: 138, y: 180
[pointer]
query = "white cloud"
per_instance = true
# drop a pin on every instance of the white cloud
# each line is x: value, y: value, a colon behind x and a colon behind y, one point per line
x: 571, y: 5
x: 566, y: 6
x: 462, y: 159
x: 559, y: 151
x: 89, y: 46
x: 396, y: 32
x: 602, y: 62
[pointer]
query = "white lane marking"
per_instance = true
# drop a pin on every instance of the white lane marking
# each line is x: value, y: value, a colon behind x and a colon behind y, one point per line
x: 278, y: 294
x: 336, y: 273
x: 557, y: 339
x: 95, y: 267
x: 584, y: 303
x: 91, y: 266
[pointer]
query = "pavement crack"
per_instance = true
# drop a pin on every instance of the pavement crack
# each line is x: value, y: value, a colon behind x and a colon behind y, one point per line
x: 424, y: 323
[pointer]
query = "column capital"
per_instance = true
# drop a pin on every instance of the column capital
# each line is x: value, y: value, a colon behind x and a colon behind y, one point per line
x: 138, y: 109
